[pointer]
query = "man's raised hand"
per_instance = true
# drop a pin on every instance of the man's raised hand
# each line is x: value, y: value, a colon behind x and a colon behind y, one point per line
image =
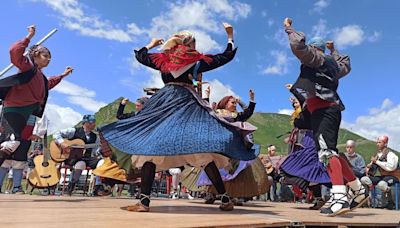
x: 287, y: 22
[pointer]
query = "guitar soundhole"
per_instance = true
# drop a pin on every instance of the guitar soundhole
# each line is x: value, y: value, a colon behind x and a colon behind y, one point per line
x: 45, y: 164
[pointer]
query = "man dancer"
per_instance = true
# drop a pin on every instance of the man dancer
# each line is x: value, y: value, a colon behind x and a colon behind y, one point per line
x: 318, y: 82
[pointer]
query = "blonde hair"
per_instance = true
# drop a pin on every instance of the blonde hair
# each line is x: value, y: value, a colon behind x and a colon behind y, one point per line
x: 184, y: 37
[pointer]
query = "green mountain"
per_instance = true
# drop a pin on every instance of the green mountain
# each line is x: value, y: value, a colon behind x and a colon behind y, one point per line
x: 270, y: 126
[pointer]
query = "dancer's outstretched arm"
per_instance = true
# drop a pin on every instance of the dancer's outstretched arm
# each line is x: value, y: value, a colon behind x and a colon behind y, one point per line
x: 342, y: 60
x: 248, y: 112
x: 307, y: 55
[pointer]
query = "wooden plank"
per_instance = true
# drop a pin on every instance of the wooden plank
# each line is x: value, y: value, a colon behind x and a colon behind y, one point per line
x: 55, y: 211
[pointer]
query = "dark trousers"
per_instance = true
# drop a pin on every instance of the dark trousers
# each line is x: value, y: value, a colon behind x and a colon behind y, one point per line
x: 391, y: 180
x: 11, y: 123
x: 89, y: 161
x: 325, y: 123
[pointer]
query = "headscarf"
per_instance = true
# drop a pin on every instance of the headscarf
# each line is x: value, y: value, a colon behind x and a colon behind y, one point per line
x: 317, y: 42
x: 177, y: 53
x: 88, y: 118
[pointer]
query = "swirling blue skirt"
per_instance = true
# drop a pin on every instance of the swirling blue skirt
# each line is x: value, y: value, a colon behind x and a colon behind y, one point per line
x: 304, y: 162
x: 176, y: 121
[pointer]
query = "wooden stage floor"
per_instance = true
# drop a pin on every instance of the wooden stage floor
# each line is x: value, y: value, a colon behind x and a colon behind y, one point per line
x: 85, y: 212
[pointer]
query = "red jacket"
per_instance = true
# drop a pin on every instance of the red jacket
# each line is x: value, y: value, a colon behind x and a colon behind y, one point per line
x: 32, y: 92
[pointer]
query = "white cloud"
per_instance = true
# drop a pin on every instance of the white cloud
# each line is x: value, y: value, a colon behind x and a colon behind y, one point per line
x: 270, y: 22
x: 134, y: 29
x: 202, y: 16
x: 74, y: 18
x: 350, y: 35
x: 346, y: 36
x: 380, y: 121
x: 320, y: 5
x: 61, y: 117
x: 285, y: 111
x: 205, y: 43
x: 320, y: 29
x: 218, y: 90
x: 155, y: 79
x: 374, y: 37
x: 264, y: 13
x: 281, y: 38
x: 386, y: 104
x: 72, y: 89
x: 199, y: 17
x: 243, y: 10
x: 281, y: 63
x: 80, y: 96
x: 353, y: 35
x: 86, y: 103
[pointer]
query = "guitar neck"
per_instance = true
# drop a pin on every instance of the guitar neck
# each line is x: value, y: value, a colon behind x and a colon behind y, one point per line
x: 46, y: 153
x: 86, y: 146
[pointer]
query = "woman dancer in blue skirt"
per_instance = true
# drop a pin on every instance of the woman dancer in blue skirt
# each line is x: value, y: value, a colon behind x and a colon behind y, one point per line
x: 175, y: 126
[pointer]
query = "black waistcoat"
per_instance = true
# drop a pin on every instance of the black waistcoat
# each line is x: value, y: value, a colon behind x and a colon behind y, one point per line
x: 80, y: 134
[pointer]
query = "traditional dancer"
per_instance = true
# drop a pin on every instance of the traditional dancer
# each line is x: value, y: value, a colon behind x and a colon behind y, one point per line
x: 302, y: 167
x: 318, y: 82
x: 25, y: 93
x: 176, y: 127
x: 242, y: 179
x: 34, y: 130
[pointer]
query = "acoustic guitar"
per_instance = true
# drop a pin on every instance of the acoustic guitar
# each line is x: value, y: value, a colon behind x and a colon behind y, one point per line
x: 76, y: 149
x: 45, y: 174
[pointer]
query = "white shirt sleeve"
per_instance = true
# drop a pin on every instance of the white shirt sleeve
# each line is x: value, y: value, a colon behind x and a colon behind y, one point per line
x: 231, y: 42
x: 66, y: 133
x: 41, y: 126
x: 391, y: 163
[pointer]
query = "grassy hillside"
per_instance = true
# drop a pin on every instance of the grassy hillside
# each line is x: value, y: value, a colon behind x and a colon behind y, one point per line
x: 270, y: 125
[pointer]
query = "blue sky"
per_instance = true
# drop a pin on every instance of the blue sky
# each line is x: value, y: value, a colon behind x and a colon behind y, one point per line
x: 97, y: 38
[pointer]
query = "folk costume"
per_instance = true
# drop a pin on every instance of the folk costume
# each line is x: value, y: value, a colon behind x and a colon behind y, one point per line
x: 388, y: 165
x: 302, y: 166
x: 22, y: 95
x: 242, y: 179
x: 176, y: 127
x: 318, y: 82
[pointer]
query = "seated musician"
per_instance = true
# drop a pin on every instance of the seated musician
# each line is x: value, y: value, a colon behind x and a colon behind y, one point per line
x: 91, y: 157
x: 387, y: 163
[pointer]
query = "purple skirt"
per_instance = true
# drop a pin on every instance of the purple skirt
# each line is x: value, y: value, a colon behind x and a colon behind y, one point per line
x: 225, y: 175
x: 304, y: 162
